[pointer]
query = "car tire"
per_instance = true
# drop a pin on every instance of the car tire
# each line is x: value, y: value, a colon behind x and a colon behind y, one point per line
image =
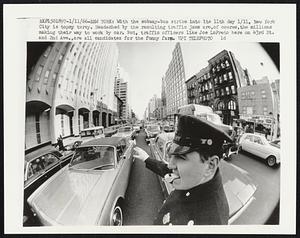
x: 116, y: 218
x: 271, y: 161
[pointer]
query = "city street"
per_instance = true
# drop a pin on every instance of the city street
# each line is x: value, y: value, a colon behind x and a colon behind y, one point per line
x: 144, y: 196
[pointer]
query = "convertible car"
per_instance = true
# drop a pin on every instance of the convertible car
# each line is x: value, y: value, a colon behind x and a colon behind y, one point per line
x: 238, y: 186
x: 91, y: 189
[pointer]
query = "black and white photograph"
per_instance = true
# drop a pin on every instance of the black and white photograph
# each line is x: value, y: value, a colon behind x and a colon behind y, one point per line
x: 147, y: 129
x: 88, y: 105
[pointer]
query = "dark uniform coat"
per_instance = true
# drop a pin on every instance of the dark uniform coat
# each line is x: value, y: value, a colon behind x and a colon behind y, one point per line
x: 205, y: 204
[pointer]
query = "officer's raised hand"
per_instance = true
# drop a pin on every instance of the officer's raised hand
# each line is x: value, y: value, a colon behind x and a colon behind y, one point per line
x: 140, y: 154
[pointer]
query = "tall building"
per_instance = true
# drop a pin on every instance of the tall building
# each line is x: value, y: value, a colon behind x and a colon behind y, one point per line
x: 163, y: 99
x: 122, y: 91
x: 174, y: 79
x: 69, y: 87
x: 216, y: 85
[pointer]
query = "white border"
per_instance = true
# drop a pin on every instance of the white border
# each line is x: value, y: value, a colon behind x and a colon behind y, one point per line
x: 18, y: 31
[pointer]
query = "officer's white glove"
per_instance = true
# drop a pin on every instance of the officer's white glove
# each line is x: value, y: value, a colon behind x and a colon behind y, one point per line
x: 140, y: 154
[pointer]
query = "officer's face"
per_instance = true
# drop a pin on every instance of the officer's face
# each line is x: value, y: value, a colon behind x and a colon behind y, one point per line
x: 189, y: 168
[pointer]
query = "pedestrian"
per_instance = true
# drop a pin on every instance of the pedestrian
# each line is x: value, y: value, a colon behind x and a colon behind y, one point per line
x: 60, y: 143
x: 193, y: 170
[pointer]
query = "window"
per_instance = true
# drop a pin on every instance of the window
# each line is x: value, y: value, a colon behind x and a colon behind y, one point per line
x: 231, y: 105
x: 46, y: 53
x: 257, y: 140
x: 252, y: 94
x: 37, y: 128
x: 243, y: 95
x: 233, y: 89
x: 216, y: 80
x: 46, y: 76
x: 221, y: 106
x: 249, y: 138
x: 230, y: 75
x: 225, y: 77
x: 222, y: 92
x: 227, y: 63
x: 220, y: 79
x: 227, y: 90
x: 217, y: 93
x: 265, y: 111
x: 263, y: 94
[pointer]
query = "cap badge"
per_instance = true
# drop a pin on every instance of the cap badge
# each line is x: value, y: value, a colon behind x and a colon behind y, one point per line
x: 206, y: 141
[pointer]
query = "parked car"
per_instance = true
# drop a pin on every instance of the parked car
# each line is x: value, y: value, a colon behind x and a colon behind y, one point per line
x: 125, y: 131
x: 258, y: 145
x: 91, y: 190
x: 39, y: 166
x: 238, y: 186
x: 152, y: 131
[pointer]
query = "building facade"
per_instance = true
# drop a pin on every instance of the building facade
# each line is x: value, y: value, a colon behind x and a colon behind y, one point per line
x: 174, y: 79
x: 259, y: 103
x: 69, y: 87
x: 216, y: 85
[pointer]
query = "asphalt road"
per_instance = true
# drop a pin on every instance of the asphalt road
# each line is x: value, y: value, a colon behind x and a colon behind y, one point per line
x: 267, y: 194
x: 144, y: 195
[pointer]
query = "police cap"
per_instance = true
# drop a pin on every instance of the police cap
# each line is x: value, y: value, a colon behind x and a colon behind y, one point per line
x: 194, y: 133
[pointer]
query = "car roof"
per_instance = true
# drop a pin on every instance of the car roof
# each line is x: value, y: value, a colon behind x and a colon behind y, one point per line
x: 93, y: 128
x: 39, y: 153
x: 112, y: 141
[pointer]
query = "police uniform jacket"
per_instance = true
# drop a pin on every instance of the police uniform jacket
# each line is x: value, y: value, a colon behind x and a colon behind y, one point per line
x: 205, y: 204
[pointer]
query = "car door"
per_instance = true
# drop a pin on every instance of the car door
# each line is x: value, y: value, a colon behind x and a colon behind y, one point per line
x: 124, y: 162
x: 247, y: 143
x: 258, y: 147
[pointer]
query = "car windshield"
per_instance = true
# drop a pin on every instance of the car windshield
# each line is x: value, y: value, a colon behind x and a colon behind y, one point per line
x: 153, y: 128
x: 275, y: 143
x: 87, y: 133
x: 124, y: 129
x: 93, y: 157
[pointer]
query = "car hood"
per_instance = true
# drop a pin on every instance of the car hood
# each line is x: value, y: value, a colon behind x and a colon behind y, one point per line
x: 238, y: 186
x: 72, y: 197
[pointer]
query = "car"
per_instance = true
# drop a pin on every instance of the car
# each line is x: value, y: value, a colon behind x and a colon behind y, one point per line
x: 125, y: 131
x: 239, y: 187
x: 137, y: 128
x: 152, y: 131
x: 259, y: 146
x: 168, y: 128
x: 91, y: 189
x: 39, y: 166
x: 91, y: 133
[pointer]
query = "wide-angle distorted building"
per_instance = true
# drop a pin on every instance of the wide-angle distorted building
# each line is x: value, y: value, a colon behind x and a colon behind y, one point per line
x: 216, y: 85
x: 70, y: 86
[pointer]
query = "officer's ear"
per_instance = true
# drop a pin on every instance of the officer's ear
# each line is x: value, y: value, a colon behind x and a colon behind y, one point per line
x: 212, y: 166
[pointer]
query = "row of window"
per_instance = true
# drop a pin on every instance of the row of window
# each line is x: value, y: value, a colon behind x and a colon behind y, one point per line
x: 251, y: 94
x: 251, y: 110
x: 221, y: 65
x: 228, y: 90
x: 217, y: 80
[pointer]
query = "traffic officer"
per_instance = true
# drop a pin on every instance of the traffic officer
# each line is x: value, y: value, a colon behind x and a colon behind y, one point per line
x: 198, y: 197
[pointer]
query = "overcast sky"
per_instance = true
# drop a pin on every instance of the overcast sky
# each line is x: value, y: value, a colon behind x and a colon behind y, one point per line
x: 146, y: 64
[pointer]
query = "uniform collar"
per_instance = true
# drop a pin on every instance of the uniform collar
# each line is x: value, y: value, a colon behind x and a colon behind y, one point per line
x: 204, y: 190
